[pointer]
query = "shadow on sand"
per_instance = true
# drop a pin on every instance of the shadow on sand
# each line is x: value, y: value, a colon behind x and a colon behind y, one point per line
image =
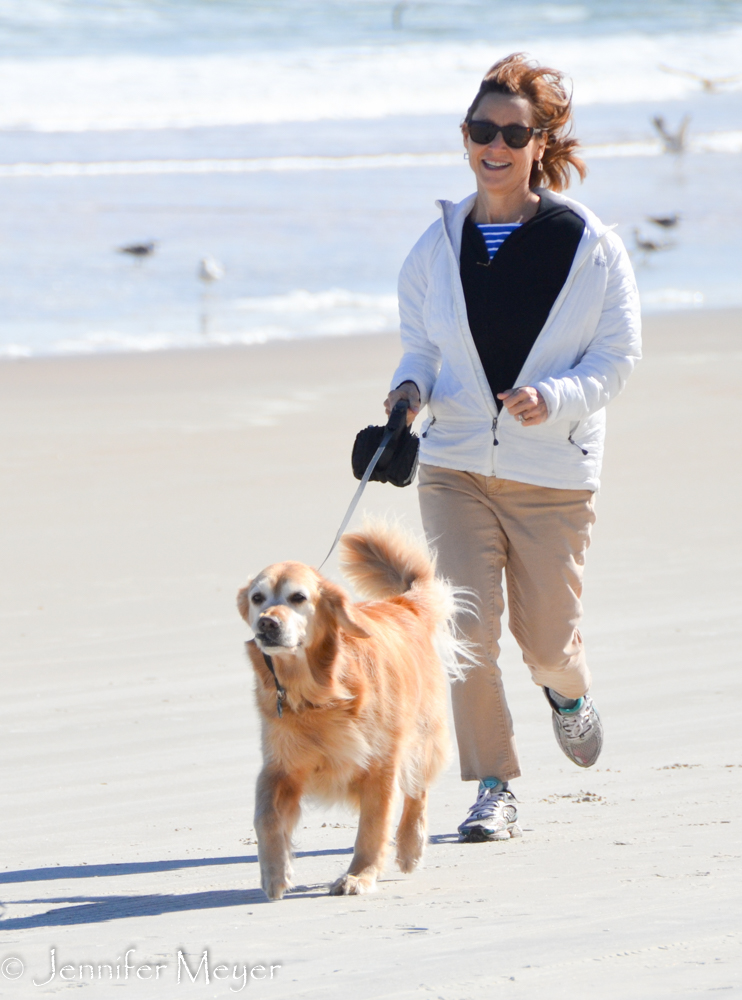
x: 143, y: 867
x: 95, y: 909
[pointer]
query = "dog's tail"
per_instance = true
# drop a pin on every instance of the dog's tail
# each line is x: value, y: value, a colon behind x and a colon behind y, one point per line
x: 383, y: 561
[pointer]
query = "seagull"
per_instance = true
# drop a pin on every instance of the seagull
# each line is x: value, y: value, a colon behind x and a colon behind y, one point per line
x: 397, y: 12
x: 710, y: 85
x: 210, y: 270
x: 648, y: 246
x: 674, y: 141
x: 665, y: 221
x: 139, y: 250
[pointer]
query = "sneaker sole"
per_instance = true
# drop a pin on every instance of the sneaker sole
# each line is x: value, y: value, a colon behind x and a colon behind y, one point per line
x: 478, y: 835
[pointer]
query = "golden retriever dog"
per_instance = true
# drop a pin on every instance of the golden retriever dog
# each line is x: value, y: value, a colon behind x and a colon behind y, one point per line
x: 363, y: 710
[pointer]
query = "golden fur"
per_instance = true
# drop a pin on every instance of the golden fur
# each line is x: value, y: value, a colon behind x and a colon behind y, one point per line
x: 365, y: 707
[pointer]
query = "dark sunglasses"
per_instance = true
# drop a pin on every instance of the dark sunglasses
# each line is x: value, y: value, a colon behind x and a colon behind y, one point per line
x: 515, y: 136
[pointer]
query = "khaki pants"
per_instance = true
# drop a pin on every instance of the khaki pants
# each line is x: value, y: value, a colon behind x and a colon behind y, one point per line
x: 480, y: 526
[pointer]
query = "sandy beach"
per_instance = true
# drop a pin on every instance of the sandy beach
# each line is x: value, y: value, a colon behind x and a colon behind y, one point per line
x: 140, y: 491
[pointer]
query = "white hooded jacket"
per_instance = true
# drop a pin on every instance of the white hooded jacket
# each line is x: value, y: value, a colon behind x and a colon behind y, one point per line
x: 580, y: 360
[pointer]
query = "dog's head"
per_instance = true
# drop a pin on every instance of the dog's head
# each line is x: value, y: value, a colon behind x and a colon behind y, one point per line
x: 289, y: 607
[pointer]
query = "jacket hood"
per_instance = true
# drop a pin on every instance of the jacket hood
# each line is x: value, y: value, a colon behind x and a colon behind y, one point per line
x: 454, y: 213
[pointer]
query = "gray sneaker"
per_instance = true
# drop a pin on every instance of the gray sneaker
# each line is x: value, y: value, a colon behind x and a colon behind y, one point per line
x: 493, y: 816
x: 578, y: 730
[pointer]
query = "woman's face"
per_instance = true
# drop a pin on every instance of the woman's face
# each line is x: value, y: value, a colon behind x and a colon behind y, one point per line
x: 499, y: 169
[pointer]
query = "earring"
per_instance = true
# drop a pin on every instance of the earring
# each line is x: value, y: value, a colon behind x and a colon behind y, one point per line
x: 466, y: 156
x: 539, y: 166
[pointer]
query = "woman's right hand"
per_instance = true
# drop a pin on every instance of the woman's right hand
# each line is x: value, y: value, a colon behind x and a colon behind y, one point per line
x: 408, y: 391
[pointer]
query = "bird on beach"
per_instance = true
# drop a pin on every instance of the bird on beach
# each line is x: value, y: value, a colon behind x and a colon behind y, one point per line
x: 397, y: 12
x: 674, y: 142
x: 648, y: 247
x: 210, y: 270
x: 139, y: 250
x: 710, y: 84
x: 665, y: 221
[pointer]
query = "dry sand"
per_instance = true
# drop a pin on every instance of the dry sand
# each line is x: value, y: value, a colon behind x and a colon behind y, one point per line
x: 138, y: 493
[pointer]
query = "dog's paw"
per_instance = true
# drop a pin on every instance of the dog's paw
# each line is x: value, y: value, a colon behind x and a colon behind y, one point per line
x: 275, y: 887
x: 410, y: 847
x: 352, y: 885
x: 408, y: 864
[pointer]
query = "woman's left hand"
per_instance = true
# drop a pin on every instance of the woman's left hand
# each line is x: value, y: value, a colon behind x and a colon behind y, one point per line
x: 526, y: 404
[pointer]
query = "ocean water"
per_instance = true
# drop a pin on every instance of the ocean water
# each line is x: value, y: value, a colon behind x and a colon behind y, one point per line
x: 302, y: 145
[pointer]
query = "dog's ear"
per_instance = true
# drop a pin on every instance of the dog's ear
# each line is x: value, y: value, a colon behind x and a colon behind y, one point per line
x: 339, y: 605
x: 243, y: 603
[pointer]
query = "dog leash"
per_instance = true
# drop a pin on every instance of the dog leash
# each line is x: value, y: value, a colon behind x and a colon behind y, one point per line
x: 280, y: 690
x: 395, y: 425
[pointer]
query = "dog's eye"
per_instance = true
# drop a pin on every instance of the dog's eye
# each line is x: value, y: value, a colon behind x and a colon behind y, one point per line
x: 298, y: 598
x: 257, y: 598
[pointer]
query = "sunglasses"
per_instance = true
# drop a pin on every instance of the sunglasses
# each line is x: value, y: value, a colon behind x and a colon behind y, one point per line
x: 515, y: 136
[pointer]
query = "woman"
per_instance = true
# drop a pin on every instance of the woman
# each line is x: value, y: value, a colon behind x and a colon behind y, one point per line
x: 520, y: 322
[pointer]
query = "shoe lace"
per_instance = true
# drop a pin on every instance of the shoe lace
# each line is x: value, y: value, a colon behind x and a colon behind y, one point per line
x: 578, y: 724
x: 489, y: 801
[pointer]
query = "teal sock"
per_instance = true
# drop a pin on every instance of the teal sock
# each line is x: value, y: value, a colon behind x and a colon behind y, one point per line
x: 566, y: 705
x: 492, y: 783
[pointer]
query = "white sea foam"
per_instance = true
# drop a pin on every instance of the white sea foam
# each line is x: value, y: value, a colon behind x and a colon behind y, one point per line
x: 710, y: 142
x: 659, y: 299
x: 151, y: 92
x: 257, y: 320
x: 336, y: 312
x: 275, y: 164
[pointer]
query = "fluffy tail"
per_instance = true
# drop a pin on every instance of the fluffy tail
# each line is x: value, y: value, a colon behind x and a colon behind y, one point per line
x: 383, y: 561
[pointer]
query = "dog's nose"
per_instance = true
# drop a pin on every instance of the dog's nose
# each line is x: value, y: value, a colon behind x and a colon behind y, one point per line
x: 268, y: 626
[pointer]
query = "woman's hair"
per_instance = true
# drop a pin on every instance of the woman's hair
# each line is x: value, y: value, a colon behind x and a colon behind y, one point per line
x: 542, y: 87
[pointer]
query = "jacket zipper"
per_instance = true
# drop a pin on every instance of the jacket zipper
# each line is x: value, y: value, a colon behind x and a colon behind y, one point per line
x: 572, y: 441
x: 576, y: 268
x: 453, y: 263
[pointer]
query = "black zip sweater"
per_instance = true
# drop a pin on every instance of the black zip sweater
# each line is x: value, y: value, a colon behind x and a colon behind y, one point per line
x: 509, y: 297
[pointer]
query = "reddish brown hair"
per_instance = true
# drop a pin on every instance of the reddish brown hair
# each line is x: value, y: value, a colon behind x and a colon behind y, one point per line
x: 544, y: 90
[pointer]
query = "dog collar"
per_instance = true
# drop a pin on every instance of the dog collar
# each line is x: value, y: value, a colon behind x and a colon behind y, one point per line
x: 280, y: 691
